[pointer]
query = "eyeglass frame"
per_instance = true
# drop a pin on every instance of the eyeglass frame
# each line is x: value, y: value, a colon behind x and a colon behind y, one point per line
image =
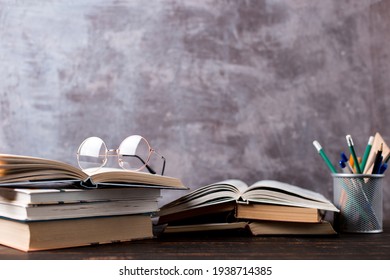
x: 108, y: 151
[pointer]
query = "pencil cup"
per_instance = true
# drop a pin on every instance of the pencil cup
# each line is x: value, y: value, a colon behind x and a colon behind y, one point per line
x: 360, y: 201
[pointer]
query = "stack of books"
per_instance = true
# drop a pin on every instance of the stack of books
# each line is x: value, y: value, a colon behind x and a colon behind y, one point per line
x: 265, y: 208
x: 48, y: 204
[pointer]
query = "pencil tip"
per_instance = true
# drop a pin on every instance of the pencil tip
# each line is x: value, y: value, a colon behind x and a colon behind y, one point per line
x: 349, y: 140
x: 317, y: 145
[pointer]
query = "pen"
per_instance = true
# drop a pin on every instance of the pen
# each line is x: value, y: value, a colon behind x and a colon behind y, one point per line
x: 345, y: 160
x: 378, y: 161
x: 343, y: 157
x: 367, y: 152
x: 352, y: 150
x: 324, y: 157
x: 383, y: 168
x: 344, y: 167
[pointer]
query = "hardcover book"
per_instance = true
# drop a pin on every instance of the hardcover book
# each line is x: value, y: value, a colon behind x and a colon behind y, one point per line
x: 258, y: 228
x: 54, y: 234
x: 34, y: 212
x: 66, y: 194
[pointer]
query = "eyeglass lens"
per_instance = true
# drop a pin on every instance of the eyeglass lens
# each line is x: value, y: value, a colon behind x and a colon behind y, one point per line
x: 133, y: 152
x: 92, y: 153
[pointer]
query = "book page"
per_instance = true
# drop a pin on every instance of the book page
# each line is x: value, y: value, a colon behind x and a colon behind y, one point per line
x: 270, y: 191
x: 217, y: 193
x: 16, y: 168
x: 128, y: 177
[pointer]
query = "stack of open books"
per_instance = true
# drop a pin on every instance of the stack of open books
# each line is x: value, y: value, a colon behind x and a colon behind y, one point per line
x: 47, y: 204
x: 265, y: 208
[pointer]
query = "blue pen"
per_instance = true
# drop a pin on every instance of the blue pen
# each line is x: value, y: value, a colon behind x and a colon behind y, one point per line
x: 344, y: 161
x: 383, y: 168
x: 344, y: 167
x: 344, y: 157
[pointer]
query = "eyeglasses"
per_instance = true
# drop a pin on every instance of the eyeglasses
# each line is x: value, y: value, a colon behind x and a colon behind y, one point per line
x: 134, y: 153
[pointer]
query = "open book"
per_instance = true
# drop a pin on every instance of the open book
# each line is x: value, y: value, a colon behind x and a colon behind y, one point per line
x: 16, y: 169
x: 264, y: 200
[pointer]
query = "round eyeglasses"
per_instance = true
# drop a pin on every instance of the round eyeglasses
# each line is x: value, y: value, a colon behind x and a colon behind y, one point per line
x: 134, y: 153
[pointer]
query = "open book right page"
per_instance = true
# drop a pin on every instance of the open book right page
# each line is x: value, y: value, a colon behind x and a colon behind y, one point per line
x: 212, y: 194
x: 275, y: 192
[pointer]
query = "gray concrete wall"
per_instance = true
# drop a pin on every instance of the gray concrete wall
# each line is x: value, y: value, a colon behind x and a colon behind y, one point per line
x: 224, y: 89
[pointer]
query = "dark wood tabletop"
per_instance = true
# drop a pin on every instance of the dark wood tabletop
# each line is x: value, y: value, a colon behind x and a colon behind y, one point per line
x: 349, y: 246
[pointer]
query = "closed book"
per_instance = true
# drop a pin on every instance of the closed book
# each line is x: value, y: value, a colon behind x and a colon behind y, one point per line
x: 55, y: 234
x: 56, y: 194
x: 258, y: 228
x: 33, y: 212
x: 291, y: 228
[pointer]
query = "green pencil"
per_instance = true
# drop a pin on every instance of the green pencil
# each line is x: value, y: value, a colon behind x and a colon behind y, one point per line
x: 366, y: 153
x: 324, y: 157
x: 352, y: 150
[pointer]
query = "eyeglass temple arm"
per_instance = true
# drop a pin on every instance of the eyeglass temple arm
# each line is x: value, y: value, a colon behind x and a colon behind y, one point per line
x: 163, y: 167
x: 163, y: 158
x: 148, y: 167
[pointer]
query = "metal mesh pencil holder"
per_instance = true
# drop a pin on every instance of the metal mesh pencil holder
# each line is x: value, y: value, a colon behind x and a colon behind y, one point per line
x: 360, y: 200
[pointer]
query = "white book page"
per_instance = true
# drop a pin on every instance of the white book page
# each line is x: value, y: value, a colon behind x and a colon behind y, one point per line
x: 294, y: 194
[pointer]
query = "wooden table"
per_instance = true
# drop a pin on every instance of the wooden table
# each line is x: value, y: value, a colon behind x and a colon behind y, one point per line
x: 227, y: 246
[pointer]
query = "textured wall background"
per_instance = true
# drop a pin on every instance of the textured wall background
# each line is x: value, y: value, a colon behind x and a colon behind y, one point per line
x: 224, y: 89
